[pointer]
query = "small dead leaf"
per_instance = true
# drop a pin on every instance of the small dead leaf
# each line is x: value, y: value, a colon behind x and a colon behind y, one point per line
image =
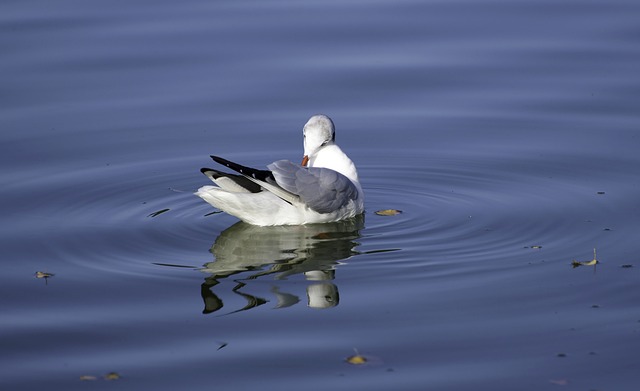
x: 112, y: 376
x: 356, y: 359
x: 388, y: 212
x: 592, y: 262
x: 44, y: 275
x: 88, y: 378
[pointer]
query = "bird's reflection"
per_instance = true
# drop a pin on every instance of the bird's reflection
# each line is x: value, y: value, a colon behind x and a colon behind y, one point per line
x: 309, y: 250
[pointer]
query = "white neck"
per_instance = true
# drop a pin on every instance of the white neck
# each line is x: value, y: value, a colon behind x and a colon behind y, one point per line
x: 332, y: 157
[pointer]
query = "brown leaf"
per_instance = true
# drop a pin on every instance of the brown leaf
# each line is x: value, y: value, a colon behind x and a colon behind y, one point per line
x: 388, y: 212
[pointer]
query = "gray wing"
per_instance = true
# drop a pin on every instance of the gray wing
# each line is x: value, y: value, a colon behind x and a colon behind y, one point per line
x: 322, y: 189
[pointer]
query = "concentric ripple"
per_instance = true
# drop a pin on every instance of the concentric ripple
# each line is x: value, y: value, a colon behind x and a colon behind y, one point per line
x: 455, y: 211
x: 473, y: 209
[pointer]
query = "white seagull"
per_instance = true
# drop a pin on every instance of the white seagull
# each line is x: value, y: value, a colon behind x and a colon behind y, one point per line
x: 324, y: 188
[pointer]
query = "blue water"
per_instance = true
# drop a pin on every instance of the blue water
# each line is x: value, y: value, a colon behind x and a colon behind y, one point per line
x: 506, y: 133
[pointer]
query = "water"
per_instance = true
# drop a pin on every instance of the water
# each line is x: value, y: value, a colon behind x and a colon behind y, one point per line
x: 505, y: 133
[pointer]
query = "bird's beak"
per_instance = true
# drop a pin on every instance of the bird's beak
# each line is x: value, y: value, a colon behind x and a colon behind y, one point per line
x: 305, y: 160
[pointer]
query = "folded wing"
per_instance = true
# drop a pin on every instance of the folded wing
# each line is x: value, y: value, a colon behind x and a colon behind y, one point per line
x: 321, y: 189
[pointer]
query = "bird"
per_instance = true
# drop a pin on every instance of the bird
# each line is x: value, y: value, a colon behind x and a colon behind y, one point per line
x: 324, y: 188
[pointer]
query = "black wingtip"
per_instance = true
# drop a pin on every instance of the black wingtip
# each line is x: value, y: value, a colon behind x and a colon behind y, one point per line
x: 262, y: 175
x: 238, y: 179
x: 229, y: 164
x: 220, y: 160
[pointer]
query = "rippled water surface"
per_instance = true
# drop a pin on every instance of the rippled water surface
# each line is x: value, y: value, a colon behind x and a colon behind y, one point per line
x: 506, y: 133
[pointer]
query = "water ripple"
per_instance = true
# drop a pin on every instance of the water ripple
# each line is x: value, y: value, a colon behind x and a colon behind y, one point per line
x: 454, y: 211
x: 460, y: 210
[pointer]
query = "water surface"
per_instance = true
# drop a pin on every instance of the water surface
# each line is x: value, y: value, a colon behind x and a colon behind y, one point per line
x: 507, y: 135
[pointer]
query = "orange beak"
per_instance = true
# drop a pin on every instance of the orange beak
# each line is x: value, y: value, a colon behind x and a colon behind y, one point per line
x: 305, y: 160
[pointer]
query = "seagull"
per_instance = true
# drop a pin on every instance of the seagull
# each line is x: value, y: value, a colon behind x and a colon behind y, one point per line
x: 323, y: 188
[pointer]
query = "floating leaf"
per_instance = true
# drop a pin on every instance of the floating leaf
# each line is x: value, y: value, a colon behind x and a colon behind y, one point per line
x: 112, y: 376
x: 356, y: 359
x: 44, y: 275
x: 161, y: 211
x: 592, y: 262
x: 88, y: 378
x: 388, y: 212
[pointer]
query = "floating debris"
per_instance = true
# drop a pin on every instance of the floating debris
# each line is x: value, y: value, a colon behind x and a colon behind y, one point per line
x: 626, y: 266
x: 109, y: 376
x: 222, y: 345
x: 592, y: 262
x: 44, y: 275
x: 600, y: 193
x: 535, y: 247
x: 388, y: 212
x: 356, y: 359
x: 112, y: 376
x: 575, y: 263
x: 161, y: 211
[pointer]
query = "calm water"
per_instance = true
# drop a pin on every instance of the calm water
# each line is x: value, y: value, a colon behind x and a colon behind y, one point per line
x: 506, y: 133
